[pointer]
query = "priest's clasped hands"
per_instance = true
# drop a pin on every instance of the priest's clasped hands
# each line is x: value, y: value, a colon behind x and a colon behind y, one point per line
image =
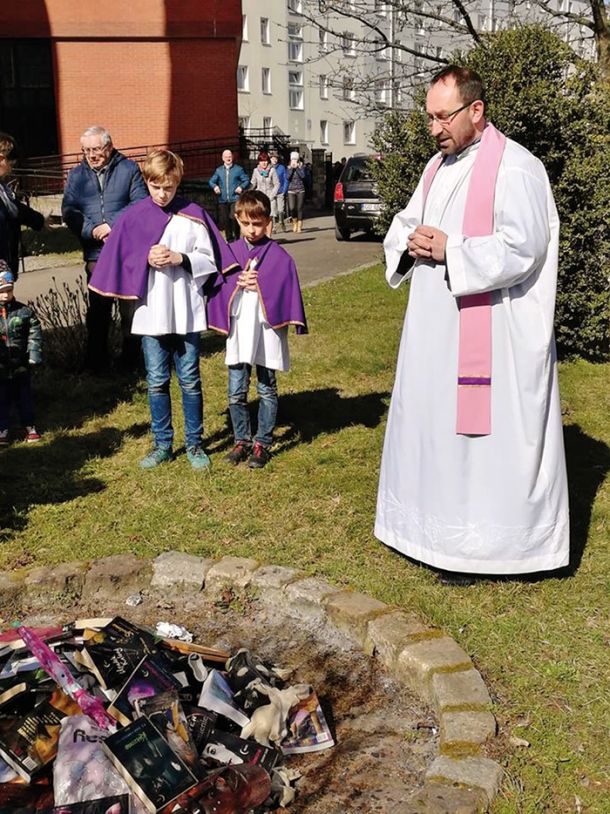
x: 427, y: 243
x: 160, y: 257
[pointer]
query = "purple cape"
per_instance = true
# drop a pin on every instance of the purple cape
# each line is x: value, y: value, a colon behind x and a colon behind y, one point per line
x: 278, y: 288
x: 122, y: 268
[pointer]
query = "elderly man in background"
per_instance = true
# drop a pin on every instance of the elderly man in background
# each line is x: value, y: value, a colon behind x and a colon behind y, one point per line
x: 227, y: 183
x: 97, y: 191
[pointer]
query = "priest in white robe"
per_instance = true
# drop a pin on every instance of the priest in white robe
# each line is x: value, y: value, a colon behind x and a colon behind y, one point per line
x: 473, y: 476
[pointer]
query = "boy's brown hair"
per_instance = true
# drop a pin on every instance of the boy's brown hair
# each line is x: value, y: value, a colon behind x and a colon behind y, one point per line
x: 162, y: 164
x: 253, y: 204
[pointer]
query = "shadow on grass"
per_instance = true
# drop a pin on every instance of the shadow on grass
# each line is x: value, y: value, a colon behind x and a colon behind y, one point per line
x: 588, y: 463
x: 303, y: 416
x: 50, y: 473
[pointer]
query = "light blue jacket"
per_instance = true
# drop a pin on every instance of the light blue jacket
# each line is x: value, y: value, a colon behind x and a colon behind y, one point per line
x: 237, y: 178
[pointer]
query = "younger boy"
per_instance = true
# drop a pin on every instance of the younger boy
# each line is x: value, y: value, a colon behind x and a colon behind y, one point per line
x: 254, y: 308
x: 161, y: 252
x: 20, y: 349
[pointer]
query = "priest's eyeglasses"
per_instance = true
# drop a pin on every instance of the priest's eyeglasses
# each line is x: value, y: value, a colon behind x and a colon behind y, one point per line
x: 445, y: 120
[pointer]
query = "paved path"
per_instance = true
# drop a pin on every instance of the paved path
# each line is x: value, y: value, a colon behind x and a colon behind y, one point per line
x: 317, y: 253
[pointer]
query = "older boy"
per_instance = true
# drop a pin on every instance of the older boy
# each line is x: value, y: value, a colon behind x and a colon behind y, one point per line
x: 254, y: 309
x: 161, y: 252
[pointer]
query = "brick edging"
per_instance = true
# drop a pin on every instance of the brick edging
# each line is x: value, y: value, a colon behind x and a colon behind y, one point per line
x: 426, y: 660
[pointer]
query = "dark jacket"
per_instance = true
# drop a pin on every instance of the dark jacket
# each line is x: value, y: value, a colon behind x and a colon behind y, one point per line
x: 10, y: 229
x: 20, y: 339
x: 86, y: 205
x: 237, y: 178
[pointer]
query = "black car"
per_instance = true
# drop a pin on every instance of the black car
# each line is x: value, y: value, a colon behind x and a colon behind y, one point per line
x: 356, y: 202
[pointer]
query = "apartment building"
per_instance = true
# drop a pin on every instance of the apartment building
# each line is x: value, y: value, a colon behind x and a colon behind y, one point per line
x: 288, y: 79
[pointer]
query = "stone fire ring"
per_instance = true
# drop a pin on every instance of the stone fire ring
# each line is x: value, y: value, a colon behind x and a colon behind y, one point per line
x: 422, y: 658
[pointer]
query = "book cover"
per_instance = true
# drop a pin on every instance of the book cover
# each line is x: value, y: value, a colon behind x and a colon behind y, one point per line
x: 307, y: 728
x: 149, y: 678
x: 118, y: 804
x: 201, y: 723
x: 216, y: 695
x: 223, y: 747
x: 166, y: 713
x: 151, y: 768
x: 114, y: 652
x: 29, y: 743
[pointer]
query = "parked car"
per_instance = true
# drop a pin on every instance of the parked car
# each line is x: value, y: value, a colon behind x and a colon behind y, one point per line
x: 356, y: 202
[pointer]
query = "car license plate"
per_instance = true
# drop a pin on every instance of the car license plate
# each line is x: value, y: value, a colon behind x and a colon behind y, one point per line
x: 370, y: 207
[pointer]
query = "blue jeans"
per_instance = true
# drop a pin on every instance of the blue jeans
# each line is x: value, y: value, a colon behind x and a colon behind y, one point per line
x: 159, y: 351
x: 266, y: 387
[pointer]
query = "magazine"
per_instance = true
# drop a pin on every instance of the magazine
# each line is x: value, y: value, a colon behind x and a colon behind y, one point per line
x: 307, y: 728
x: 217, y: 696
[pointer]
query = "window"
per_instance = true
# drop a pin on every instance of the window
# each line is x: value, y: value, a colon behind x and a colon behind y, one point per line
x: 295, y: 6
x: 266, y: 80
x: 418, y: 64
x: 349, y: 44
x: 268, y: 126
x: 397, y: 93
x: 243, y: 123
x: 323, y: 87
x: 381, y: 7
x: 323, y: 35
x: 382, y: 91
x: 265, y: 31
x: 348, y: 88
x: 243, y: 79
x: 323, y: 131
x: 349, y: 132
x: 295, y: 42
x: 381, y: 51
x: 244, y: 27
x: 295, y: 90
x: 483, y: 22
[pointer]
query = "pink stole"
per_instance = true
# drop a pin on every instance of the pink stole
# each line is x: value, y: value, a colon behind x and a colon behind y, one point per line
x: 474, y: 356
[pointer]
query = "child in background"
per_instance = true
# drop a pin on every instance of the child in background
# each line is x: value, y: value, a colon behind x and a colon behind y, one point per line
x: 254, y: 309
x: 20, y: 349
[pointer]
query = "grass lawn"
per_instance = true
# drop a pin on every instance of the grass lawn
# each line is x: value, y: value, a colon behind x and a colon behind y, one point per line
x: 541, y: 646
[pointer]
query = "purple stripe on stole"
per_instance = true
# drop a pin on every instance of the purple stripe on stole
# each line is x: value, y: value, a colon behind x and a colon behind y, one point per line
x: 474, y: 380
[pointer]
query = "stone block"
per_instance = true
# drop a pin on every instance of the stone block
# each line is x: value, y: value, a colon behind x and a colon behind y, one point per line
x: 386, y: 635
x: 117, y: 577
x: 417, y: 663
x: 455, y: 690
x: 440, y: 798
x: 466, y: 729
x: 63, y: 583
x: 12, y: 588
x: 235, y: 572
x: 306, y: 597
x: 472, y: 772
x: 351, y: 611
x: 176, y: 570
x: 271, y: 580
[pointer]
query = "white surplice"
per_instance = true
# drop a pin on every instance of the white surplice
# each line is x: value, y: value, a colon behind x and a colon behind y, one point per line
x: 494, y: 504
x: 174, y: 302
x: 251, y: 339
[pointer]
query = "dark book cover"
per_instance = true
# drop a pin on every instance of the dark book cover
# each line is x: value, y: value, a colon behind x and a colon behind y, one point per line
x: 28, y: 743
x: 223, y: 747
x: 149, y: 765
x: 151, y: 677
x: 201, y: 723
x: 118, y: 804
x: 166, y: 713
x: 114, y: 652
x: 21, y: 799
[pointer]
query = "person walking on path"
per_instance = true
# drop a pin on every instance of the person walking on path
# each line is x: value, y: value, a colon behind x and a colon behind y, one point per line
x: 227, y: 183
x: 102, y: 186
x: 266, y: 180
x: 296, y: 191
x: 278, y: 204
x: 473, y: 476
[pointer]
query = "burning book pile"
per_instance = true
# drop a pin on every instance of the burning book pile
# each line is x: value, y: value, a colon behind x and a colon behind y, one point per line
x: 103, y: 716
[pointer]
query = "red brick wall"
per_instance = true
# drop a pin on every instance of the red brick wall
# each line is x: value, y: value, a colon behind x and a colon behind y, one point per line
x: 151, y: 71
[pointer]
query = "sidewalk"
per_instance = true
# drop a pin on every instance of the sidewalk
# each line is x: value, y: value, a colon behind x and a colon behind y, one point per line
x: 318, y: 255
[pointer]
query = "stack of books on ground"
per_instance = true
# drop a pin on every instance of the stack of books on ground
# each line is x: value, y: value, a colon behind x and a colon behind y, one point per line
x: 104, y: 716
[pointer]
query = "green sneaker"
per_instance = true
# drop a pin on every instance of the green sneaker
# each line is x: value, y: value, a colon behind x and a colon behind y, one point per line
x: 198, y: 458
x: 157, y: 455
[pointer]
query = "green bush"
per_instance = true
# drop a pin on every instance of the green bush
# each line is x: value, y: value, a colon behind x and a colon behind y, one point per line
x: 550, y: 101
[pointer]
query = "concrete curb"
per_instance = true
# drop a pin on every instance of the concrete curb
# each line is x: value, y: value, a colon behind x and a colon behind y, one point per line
x: 427, y: 661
